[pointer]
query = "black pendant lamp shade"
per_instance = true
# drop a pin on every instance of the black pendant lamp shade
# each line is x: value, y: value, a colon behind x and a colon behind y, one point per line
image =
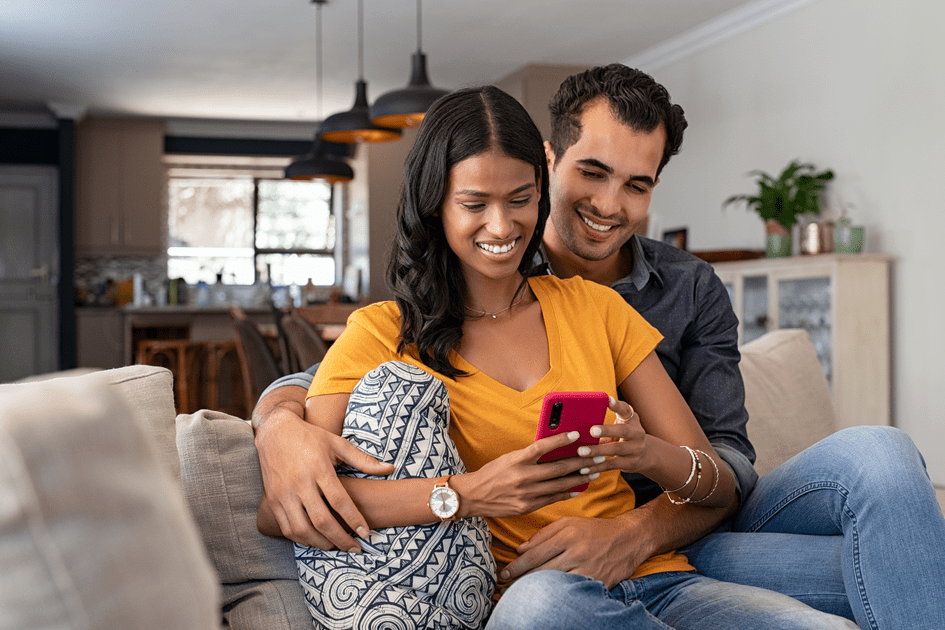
x: 317, y: 164
x: 355, y: 124
x: 406, y: 107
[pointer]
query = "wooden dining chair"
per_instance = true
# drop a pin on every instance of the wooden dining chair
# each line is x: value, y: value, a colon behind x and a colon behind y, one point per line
x: 306, y: 346
x: 257, y: 361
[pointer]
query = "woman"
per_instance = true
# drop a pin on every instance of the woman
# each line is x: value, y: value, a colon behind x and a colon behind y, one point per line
x: 470, y: 346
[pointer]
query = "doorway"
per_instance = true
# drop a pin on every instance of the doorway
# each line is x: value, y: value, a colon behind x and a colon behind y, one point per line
x: 29, y: 271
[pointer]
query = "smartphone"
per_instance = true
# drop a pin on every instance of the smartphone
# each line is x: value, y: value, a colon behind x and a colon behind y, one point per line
x: 563, y: 412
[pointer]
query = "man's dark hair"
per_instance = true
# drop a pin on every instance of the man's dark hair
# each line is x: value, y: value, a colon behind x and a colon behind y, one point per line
x: 635, y: 98
x: 423, y: 273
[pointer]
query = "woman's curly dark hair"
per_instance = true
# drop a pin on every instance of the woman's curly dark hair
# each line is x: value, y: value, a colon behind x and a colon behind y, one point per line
x: 424, y: 273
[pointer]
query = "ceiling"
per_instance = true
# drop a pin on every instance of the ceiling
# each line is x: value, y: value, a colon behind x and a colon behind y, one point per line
x: 255, y: 59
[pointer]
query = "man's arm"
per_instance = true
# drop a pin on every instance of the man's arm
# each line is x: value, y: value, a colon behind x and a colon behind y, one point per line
x: 302, y: 494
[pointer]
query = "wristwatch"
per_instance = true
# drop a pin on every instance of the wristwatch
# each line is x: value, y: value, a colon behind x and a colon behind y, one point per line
x: 444, y: 501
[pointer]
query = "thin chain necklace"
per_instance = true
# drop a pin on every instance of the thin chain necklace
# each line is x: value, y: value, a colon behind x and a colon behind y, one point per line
x: 495, y: 315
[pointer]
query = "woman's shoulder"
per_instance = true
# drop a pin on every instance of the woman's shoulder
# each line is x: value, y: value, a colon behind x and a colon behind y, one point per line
x: 377, y: 316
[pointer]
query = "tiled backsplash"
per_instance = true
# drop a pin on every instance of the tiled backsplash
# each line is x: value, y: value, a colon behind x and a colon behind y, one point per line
x: 94, y: 277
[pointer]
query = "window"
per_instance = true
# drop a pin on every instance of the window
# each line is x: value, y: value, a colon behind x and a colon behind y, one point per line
x: 247, y: 226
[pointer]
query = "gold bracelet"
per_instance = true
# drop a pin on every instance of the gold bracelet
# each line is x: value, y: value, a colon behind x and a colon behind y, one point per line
x: 698, y: 471
x: 715, y: 484
x: 691, y: 472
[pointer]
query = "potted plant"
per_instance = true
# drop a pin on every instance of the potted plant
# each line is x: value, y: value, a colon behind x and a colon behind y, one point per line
x: 779, y: 201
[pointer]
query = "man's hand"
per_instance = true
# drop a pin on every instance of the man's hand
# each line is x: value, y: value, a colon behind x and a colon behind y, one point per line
x: 599, y: 548
x: 302, y: 490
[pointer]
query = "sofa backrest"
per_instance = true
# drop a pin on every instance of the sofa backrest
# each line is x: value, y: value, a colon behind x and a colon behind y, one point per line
x: 786, y: 395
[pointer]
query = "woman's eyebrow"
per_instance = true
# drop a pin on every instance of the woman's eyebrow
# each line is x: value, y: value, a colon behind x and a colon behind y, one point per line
x: 479, y: 193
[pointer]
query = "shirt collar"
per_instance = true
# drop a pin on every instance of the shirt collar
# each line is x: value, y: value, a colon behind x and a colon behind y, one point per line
x: 639, y: 275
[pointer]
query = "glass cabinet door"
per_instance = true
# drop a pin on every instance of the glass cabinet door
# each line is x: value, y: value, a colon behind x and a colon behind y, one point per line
x: 754, y: 314
x: 805, y: 303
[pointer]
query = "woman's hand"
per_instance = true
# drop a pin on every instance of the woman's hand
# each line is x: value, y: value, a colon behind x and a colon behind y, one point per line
x: 516, y: 484
x: 623, y: 443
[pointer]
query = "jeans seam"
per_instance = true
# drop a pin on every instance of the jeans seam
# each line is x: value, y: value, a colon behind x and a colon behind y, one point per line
x: 854, y: 535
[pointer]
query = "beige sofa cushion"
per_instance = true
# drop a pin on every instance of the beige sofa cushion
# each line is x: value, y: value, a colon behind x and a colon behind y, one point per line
x: 148, y: 390
x: 222, y: 483
x: 786, y: 395
x: 94, y: 533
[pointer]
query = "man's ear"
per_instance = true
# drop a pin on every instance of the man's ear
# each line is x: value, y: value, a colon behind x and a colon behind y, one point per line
x: 549, y: 156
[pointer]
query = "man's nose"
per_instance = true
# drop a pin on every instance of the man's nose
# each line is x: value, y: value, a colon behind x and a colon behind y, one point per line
x: 607, y: 199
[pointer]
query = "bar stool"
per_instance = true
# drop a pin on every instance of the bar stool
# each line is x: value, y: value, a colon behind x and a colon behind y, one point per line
x: 184, y: 358
x: 223, y: 387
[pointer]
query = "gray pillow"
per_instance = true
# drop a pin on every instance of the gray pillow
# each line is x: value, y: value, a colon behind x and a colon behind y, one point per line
x: 94, y: 533
x: 222, y: 484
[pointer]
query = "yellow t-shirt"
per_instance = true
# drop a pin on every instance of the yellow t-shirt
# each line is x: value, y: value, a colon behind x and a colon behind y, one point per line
x: 595, y: 340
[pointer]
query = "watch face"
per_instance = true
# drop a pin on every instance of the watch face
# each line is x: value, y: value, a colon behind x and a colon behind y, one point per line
x: 443, y: 502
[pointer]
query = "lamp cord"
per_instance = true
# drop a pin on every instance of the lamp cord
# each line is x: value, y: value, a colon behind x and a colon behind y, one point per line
x: 419, y: 28
x: 318, y: 60
x: 361, y: 40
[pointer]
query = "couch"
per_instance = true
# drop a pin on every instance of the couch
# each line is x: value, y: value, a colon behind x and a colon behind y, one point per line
x: 114, y: 513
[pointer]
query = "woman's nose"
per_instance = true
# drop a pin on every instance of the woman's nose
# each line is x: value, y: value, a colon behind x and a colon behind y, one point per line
x: 499, y: 222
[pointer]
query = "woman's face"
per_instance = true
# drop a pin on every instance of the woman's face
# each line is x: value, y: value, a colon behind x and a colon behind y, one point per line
x: 489, y: 213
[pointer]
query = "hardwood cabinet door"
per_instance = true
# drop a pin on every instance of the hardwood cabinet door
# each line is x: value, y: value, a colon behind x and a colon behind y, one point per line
x: 120, y: 188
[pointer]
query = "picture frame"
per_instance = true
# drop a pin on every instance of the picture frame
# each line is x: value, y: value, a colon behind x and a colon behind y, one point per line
x: 676, y: 238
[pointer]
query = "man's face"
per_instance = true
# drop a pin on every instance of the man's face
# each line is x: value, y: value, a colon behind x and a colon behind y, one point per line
x: 601, y: 186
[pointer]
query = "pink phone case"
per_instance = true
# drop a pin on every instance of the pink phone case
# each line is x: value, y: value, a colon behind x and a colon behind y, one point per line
x: 571, y: 411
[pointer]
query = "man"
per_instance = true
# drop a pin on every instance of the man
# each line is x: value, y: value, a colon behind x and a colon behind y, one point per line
x: 831, y: 529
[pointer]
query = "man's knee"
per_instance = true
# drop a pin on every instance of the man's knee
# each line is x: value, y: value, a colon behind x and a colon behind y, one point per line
x: 535, y: 600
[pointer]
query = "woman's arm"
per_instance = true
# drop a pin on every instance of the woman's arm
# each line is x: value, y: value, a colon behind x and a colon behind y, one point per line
x: 665, y: 425
x: 512, y: 484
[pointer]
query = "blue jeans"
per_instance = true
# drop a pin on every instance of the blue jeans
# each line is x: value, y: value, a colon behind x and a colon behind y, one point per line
x: 850, y: 526
x: 553, y: 600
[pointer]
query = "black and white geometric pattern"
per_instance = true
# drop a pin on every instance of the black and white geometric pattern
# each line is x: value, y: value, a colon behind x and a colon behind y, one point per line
x: 424, y: 576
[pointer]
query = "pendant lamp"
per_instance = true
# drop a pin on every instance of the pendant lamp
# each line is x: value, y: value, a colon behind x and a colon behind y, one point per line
x: 355, y: 124
x: 406, y: 107
x: 316, y: 164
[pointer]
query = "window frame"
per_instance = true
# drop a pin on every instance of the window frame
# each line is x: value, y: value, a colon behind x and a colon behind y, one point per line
x: 260, y: 168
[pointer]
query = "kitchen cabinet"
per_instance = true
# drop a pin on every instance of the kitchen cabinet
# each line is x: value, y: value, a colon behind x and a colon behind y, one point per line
x: 843, y: 302
x: 121, y: 190
x: 100, y: 335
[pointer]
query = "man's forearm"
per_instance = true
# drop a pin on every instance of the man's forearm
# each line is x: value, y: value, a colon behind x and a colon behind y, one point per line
x: 663, y: 527
x: 289, y: 398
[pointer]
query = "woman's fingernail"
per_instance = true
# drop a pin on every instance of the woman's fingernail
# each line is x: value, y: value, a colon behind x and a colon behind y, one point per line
x: 595, y: 431
x: 354, y: 550
x: 594, y: 476
x: 362, y: 532
x: 599, y: 459
x: 583, y: 451
x: 504, y: 575
x: 584, y: 471
x: 574, y: 494
x: 573, y: 435
x: 612, y: 401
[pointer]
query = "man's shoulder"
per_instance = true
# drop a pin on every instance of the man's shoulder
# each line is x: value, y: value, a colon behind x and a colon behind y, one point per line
x: 662, y: 255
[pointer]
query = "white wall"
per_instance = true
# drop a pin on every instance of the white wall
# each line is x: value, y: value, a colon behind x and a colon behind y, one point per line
x: 857, y: 86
